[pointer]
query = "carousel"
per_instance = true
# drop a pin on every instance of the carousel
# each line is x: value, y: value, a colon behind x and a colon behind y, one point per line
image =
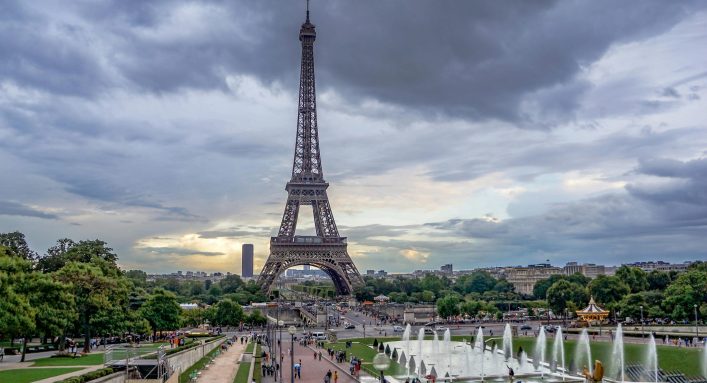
x: 592, y: 313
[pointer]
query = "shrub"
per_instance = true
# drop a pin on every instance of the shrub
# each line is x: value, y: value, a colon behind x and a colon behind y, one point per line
x: 89, y: 376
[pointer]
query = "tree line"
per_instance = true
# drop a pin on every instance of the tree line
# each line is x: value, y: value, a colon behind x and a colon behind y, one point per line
x: 77, y: 290
x: 662, y: 295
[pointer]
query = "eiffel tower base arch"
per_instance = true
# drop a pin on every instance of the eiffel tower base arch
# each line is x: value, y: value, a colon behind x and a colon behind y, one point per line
x: 333, y: 259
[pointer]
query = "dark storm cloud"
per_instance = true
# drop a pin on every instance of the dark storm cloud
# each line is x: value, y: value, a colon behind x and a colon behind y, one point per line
x: 467, y: 59
x: 21, y: 210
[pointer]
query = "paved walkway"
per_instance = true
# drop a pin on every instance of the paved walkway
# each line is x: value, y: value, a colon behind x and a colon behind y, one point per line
x: 224, y: 367
x: 313, y: 370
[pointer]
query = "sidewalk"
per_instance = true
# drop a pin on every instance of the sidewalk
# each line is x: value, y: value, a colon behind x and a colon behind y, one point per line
x: 224, y: 367
x: 313, y: 370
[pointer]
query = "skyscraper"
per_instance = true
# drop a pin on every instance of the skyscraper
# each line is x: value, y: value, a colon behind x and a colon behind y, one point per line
x: 247, y: 260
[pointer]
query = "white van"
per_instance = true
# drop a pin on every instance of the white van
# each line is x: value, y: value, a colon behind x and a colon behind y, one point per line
x: 319, y: 335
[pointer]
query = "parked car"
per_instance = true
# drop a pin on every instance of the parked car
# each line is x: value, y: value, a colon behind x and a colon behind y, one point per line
x: 429, y: 331
x: 526, y: 327
x: 398, y: 329
x: 350, y: 326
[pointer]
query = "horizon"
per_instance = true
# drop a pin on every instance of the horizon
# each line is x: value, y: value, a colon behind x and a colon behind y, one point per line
x: 510, y: 135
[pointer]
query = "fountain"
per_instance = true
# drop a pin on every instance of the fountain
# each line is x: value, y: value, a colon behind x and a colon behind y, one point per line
x: 481, y: 347
x: 651, y: 362
x: 420, y: 338
x: 617, y: 355
x: 540, y: 345
x: 448, y: 349
x: 507, y: 342
x: 558, y: 351
x: 406, y: 338
x: 583, y: 354
x: 435, y: 344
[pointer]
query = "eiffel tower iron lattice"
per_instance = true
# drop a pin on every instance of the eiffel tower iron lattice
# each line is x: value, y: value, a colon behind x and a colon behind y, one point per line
x: 327, y: 249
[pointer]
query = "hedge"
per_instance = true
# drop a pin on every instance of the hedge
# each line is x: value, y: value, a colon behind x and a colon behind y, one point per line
x: 89, y: 376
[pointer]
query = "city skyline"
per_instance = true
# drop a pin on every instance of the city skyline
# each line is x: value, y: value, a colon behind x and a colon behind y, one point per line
x: 508, y: 136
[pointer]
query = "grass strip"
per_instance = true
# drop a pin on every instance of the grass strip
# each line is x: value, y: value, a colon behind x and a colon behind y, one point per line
x: 85, y: 360
x: 27, y: 375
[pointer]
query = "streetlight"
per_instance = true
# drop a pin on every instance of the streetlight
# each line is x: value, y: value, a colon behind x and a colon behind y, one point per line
x: 697, y: 329
x: 292, y: 331
x: 381, y: 363
x: 280, y: 324
x: 643, y: 334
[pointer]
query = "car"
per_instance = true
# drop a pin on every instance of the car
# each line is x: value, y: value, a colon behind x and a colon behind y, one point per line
x: 349, y: 326
x: 398, y: 329
x: 549, y: 328
x: 526, y: 327
x: 429, y: 331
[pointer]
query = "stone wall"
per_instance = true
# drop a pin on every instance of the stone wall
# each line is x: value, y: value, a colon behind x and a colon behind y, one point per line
x: 182, y: 360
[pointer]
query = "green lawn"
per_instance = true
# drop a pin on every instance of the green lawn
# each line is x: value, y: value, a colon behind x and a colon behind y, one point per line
x: 670, y: 358
x: 27, y: 375
x: 360, y: 348
x: 242, y: 374
x: 86, y: 360
x: 257, y: 369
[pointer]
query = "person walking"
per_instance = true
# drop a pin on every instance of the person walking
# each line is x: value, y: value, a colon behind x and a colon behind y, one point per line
x: 336, y: 376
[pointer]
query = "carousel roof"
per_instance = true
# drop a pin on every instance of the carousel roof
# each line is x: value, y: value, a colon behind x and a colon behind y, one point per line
x: 592, y: 308
x: 381, y: 298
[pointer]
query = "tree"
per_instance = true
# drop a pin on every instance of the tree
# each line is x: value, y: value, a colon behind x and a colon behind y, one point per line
x: 16, y: 313
x: 635, y: 278
x: 608, y: 289
x: 687, y: 290
x: 53, y: 302
x: 427, y: 296
x: 541, y: 286
x: 162, y: 311
x: 16, y: 245
x: 66, y: 251
x: 92, y: 290
x: 564, y: 294
x: 228, y: 313
x: 137, y: 277
x: 193, y: 317
x: 503, y: 286
x: 231, y: 284
x: 579, y: 279
x: 256, y: 318
x: 658, y: 280
x: 471, y: 308
x: 448, y: 306
x: 56, y: 256
x: 478, y: 282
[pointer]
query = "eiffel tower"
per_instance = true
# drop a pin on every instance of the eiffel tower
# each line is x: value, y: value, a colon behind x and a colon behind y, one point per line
x: 327, y: 249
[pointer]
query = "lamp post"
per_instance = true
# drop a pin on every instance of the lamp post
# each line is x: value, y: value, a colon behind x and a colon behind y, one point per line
x: 381, y: 363
x: 643, y: 334
x: 292, y: 330
x: 280, y: 323
x: 697, y: 329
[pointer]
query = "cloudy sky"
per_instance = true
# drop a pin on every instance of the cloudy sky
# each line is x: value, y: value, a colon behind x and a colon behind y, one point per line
x: 478, y: 133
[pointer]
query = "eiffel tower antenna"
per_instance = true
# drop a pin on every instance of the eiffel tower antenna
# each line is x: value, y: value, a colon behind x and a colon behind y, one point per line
x: 327, y: 249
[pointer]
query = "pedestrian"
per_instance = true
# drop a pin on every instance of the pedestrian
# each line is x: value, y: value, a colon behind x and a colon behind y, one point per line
x: 2, y: 354
x: 336, y: 376
x: 315, y: 355
x: 320, y: 356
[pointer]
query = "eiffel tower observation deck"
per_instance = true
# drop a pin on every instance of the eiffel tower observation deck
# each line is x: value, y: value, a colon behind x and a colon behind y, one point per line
x: 326, y: 250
